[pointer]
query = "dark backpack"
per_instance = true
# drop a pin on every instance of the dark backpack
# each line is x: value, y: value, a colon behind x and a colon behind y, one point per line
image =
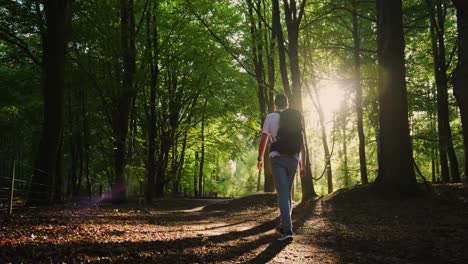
x: 289, y: 138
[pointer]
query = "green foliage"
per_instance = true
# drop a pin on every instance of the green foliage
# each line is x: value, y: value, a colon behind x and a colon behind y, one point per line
x: 205, y: 55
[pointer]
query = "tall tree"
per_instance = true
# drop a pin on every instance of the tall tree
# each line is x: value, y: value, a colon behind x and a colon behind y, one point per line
x: 293, y: 17
x: 358, y: 90
x: 396, y: 174
x: 344, y: 121
x: 277, y: 32
x: 195, y: 175
x: 178, y: 167
x: 153, y: 51
x: 201, y: 191
x: 54, y: 42
x: 124, y: 99
x: 271, y: 42
x: 323, y: 132
x: 257, y: 30
x: 460, y: 78
x: 437, y: 27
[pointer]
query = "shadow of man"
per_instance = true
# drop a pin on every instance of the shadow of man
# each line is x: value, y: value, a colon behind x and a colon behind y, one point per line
x: 301, y: 214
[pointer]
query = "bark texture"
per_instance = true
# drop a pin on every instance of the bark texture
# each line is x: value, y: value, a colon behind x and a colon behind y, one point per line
x: 396, y: 174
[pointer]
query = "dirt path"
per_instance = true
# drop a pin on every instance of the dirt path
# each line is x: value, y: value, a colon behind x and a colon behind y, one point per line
x: 349, y: 227
x: 184, y: 234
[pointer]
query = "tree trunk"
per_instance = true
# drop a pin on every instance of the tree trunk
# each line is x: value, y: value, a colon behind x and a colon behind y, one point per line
x: 80, y: 149
x: 53, y: 93
x: 326, y: 149
x: 437, y: 165
x: 72, y: 177
x: 59, y: 173
x: 78, y: 139
x: 86, y: 135
x: 396, y: 174
x: 358, y: 89
x: 195, y: 189
x: 269, y: 98
x: 433, y: 134
x: 124, y: 100
x: 345, y: 151
x: 88, y: 179
x: 180, y: 166
x: 163, y: 159
x: 292, y: 25
x: 174, y: 165
x: 133, y: 130
x: 278, y: 33
x: 201, y: 192
x: 257, y: 54
x: 153, y: 50
x: 271, y: 68
x: 446, y: 148
x: 293, y: 17
x: 460, y: 78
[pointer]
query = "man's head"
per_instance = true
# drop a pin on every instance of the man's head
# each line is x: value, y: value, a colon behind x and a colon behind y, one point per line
x: 281, y: 101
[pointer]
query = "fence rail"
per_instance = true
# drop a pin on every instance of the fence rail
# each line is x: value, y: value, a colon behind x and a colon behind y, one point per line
x: 17, y: 187
x: 14, y: 189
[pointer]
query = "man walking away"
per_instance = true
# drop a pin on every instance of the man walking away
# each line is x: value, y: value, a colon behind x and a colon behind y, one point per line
x: 284, y: 129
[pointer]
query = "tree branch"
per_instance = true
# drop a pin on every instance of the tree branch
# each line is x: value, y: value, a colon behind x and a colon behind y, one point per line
x: 218, y: 39
x: 142, y: 17
x: 19, y: 43
x: 301, y: 12
x: 259, y: 15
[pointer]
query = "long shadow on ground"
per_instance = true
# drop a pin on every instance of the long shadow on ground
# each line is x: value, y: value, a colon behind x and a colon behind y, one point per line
x: 174, y: 251
x: 238, y: 245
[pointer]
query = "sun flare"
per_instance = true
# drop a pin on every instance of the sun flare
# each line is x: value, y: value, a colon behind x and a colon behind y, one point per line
x: 331, y: 96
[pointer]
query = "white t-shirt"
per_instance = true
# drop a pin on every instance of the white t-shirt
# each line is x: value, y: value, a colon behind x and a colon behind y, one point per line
x: 270, y: 127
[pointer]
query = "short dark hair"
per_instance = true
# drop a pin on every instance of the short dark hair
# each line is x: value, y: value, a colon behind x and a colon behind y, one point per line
x: 281, y: 100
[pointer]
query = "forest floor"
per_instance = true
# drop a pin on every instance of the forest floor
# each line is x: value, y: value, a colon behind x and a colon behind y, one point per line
x: 348, y: 226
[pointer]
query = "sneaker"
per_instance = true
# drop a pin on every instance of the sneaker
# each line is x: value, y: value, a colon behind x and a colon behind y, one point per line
x: 279, y: 231
x: 286, y: 237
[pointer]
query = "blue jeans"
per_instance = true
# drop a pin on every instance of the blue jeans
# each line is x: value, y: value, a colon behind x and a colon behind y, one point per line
x: 283, y: 169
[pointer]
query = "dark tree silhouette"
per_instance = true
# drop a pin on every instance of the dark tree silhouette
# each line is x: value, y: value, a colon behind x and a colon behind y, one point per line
x: 460, y: 76
x: 125, y: 98
x: 153, y: 51
x: 358, y: 90
x: 53, y: 93
x: 396, y: 173
x: 446, y: 149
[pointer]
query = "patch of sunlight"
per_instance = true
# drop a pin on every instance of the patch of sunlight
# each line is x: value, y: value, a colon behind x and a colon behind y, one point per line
x: 196, y: 209
x: 332, y: 96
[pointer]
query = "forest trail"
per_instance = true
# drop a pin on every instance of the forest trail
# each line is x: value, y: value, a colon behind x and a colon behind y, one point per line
x: 345, y: 227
